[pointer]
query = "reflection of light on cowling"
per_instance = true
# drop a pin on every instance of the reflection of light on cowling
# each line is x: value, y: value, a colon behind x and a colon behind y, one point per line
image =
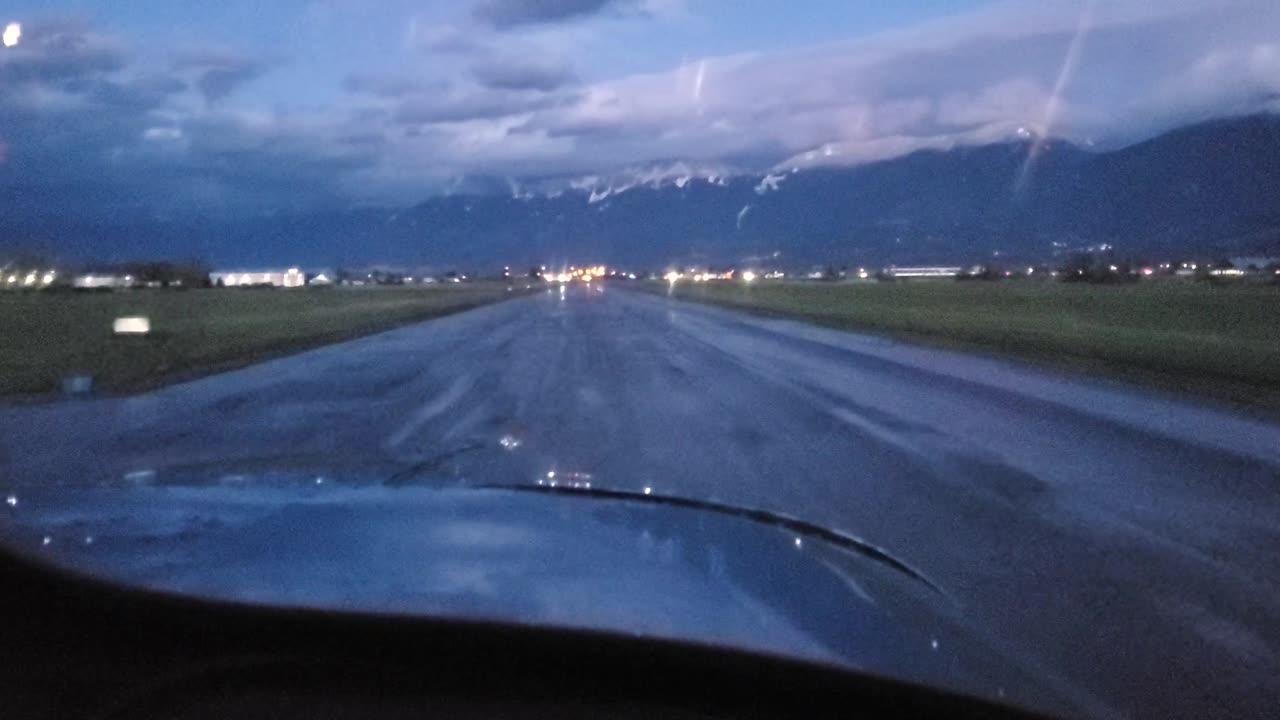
x: 12, y: 34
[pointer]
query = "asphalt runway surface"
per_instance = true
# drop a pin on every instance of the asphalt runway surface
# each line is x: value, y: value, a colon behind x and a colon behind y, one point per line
x: 1121, y: 541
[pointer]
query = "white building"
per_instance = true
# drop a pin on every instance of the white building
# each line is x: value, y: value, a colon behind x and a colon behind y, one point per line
x: 293, y: 277
x: 921, y: 272
x: 1259, y: 262
x: 99, y: 281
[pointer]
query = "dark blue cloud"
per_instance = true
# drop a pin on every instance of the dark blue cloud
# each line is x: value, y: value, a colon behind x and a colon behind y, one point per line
x: 219, y: 73
x: 503, y: 14
x: 91, y: 136
x: 510, y: 73
x: 475, y: 105
x: 53, y: 52
x: 388, y: 85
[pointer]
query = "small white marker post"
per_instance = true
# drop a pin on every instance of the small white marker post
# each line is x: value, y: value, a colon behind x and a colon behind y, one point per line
x: 131, y: 326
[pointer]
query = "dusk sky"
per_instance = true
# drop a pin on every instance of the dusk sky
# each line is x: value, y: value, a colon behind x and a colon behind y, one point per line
x: 151, y: 107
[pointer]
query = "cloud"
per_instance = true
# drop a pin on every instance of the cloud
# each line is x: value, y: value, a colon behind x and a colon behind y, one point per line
x: 505, y: 14
x: 445, y: 38
x: 92, y: 135
x: 1236, y: 79
x: 59, y: 51
x: 92, y: 127
x: 522, y: 74
x: 958, y: 80
x: 387, y: 85
x: 474, y: 105
x: 219, y: 72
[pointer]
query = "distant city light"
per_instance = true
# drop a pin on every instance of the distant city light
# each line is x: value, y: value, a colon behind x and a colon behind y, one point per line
x: 748, y: 276
x: 12, y: 34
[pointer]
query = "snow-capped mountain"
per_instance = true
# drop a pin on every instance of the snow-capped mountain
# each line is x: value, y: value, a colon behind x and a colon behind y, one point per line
x: 1202, y: 190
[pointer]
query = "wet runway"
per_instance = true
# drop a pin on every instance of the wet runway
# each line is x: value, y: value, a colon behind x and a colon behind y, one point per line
x: 1122, y: 541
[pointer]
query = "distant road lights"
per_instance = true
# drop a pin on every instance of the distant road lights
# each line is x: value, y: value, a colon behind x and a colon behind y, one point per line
x: 672, y: 277
x: 12, y: 34
x: 748, y: 276
x: 47, y: 279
